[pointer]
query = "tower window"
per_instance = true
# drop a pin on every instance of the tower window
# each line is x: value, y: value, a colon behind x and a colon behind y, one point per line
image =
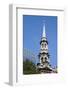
x: 45, y: 58
x: 45, y: 45
x: 42, y: 58
x: 42, y: 45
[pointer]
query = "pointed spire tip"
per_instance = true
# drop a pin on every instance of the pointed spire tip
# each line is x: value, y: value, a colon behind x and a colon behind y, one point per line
x: 44, y: 34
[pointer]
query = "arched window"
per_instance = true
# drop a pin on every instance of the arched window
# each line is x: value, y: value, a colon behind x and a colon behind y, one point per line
x: 45, y: 58
x: 42, y: 45
x: 42, y: 58
x: 45, y: 45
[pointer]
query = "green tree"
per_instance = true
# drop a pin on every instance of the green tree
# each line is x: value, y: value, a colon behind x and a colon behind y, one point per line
x: 29, y: 67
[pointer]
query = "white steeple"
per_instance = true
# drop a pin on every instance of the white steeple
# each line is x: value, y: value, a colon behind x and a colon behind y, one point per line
x: 43, y: 34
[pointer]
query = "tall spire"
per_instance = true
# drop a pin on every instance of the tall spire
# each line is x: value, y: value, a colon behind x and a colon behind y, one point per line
x: 43, y: 34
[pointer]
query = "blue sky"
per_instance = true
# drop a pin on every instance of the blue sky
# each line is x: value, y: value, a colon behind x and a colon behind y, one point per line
x: 33, y: 27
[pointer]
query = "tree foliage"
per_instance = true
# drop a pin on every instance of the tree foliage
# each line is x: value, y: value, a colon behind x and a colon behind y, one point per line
x: 29, y: 67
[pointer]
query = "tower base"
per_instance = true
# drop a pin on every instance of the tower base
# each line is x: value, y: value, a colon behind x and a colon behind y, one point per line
x: 45, y: 69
